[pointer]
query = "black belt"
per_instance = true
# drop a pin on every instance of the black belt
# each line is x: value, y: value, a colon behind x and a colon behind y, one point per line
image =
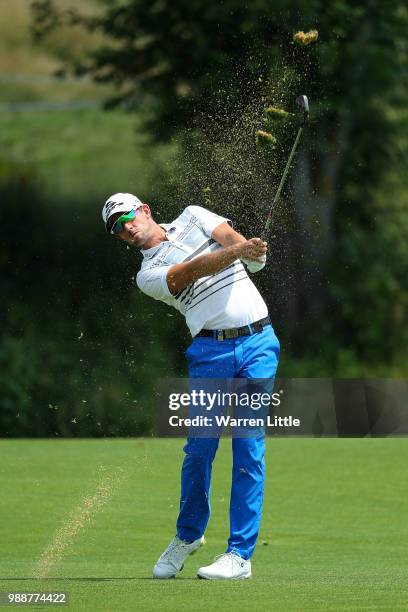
x: 237, y: 332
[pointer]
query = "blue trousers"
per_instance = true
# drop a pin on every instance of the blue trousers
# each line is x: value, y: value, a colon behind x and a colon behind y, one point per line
x: 254, y: 356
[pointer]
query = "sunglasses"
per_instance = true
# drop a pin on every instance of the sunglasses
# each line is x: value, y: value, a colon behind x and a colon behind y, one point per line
x: 117, y: 227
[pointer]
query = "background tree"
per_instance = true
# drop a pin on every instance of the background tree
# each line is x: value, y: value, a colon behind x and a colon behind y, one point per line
x: 188, y: 61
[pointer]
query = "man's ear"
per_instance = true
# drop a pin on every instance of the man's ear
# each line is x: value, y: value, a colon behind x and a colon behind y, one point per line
x: 146, y: 210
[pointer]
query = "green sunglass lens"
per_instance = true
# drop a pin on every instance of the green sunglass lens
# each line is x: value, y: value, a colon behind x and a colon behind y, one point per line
x: 118, y: 225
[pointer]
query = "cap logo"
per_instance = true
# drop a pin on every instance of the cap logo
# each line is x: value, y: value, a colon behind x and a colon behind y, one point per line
x: 110, y: 206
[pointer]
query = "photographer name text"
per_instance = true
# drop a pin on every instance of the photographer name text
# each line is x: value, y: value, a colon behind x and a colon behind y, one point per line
x: 228, y: 421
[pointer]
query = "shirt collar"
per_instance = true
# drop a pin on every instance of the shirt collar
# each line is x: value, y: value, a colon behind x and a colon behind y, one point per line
x: 148, y: 253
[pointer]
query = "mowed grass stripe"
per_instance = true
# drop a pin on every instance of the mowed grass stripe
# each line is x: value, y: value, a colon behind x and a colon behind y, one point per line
x: 334, y: 534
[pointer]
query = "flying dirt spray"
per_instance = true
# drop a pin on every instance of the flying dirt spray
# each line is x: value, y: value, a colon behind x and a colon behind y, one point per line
x: 277, y: 114
x: 305, y: 38
x: 232, y: 152
x: 82, y: 516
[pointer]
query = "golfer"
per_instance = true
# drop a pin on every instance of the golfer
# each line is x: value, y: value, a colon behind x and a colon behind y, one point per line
x: 196, y: 264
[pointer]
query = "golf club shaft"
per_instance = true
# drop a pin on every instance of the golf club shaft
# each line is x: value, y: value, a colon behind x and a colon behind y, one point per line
x: 282, y: 182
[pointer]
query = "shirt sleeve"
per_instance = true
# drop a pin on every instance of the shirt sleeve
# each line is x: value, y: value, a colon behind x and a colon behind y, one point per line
x: 207, y: 219
x: 153, y: 282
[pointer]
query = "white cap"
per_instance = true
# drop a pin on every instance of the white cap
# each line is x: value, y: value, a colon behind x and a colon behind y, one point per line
x: 119, y: 202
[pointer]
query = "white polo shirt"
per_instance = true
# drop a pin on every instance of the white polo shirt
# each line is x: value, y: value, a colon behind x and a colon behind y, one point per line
x: 223, y: 300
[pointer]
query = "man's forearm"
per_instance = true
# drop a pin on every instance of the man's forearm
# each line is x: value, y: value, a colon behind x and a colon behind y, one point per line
x: 181, y: 275
x: 211, y: 263
x: 226, y: 236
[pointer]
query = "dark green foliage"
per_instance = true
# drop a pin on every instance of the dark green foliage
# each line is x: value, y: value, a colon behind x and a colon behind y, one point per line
x: 81, y: 349
x: 191, y: 62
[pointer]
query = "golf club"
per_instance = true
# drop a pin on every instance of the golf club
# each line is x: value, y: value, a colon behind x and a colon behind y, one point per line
x: 303, y: 104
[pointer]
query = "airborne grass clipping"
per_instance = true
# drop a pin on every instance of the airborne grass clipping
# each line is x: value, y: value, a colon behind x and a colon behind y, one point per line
x: 305, y: 38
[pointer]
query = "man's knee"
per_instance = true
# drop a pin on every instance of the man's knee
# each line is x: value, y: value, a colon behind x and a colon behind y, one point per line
x: 248, y: 450
x: 201, y: 449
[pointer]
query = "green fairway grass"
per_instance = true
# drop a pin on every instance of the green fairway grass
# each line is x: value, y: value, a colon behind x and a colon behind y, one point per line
x: 334, y: 534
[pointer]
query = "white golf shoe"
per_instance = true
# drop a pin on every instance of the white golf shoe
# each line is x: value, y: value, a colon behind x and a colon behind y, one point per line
x: 172, y: 560
x: 228, y: 566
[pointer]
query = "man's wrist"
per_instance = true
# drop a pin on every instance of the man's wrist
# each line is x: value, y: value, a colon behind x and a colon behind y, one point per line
x: 236, y: 249
x: 232, y: 251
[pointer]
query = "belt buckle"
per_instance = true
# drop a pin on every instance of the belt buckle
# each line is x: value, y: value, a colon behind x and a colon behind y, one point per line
x: 231, y: 333
x: 220, y: 335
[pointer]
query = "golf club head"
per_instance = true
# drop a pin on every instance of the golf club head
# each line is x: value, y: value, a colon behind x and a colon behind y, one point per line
x: 303, y: 104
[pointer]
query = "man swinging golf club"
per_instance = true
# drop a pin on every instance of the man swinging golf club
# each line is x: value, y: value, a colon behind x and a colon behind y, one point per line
x: 195, y: 264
